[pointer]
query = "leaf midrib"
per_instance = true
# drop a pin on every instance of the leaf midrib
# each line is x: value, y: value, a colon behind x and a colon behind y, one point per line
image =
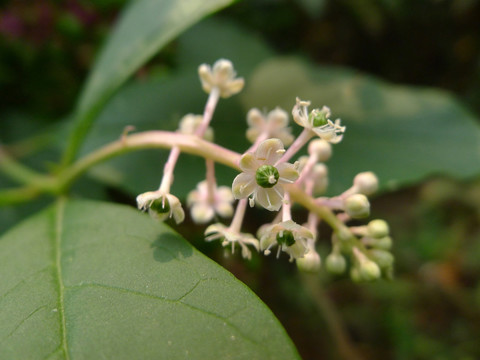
x: 57, y: 242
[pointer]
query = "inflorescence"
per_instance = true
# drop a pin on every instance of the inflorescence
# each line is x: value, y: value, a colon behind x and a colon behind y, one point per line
x: 267, y: 177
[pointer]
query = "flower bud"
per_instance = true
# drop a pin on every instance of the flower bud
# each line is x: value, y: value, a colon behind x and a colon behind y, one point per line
x: 310, y: 262
x: 383, y: 258
x: 357, y: 206
x: 355, y: 275
x: 366, y: 183
x: 302, y: 161
x: 378, y: 228
x: 321, y: 148
x: 335, y: 263
x: 369, y: 270
x: 384, y: 243
x: 201, y: 213
x: 320, y: 176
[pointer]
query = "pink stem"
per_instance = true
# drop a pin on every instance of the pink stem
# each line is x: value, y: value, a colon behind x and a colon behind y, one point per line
x: 208, y: 112
x: 168, y: 170
x: 239, y: 214
x: 301, y: 140
x: 211, y: 181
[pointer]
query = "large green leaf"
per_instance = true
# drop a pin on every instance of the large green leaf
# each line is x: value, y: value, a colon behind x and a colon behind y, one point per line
x: 144, y: 27
x: 401, y: 133
x: 90, y: 280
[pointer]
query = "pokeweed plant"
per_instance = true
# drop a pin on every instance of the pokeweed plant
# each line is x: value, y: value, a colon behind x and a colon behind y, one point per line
x: 270, y: 177
x: 85, y: 278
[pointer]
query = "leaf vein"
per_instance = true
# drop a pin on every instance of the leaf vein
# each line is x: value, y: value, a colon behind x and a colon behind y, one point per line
x: 23, y: 321
x: 178, y: 301
x: 57, y: 241
x: 21, y: 282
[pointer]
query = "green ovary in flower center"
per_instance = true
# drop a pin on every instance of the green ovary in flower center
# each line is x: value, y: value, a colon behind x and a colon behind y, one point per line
x: 285, y: 237
x: 161, y: 205
x: 267, y: 176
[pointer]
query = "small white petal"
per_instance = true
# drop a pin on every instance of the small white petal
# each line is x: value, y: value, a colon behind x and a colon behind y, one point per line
x: 252, y: 134
x: 269, y: 151
x: 232, y: 87
x: 270, y: 198
x: 243, y: 185
x: 288, y: 173
x: 278, y: 118
x: 255, y: 118
x: 249, y: 163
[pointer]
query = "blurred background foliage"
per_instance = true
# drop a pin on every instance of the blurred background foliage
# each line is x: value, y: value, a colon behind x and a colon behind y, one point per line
x: 417, y: 128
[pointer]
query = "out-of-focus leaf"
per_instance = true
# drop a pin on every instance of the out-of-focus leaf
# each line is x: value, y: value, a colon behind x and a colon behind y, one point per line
x: 403, y: 134
x: 87, y: 279
x: 144, y: 27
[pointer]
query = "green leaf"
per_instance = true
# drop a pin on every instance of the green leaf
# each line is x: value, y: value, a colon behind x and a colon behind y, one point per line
x: 144, y: 28
x: 403, y: 134
x: 83, y: 280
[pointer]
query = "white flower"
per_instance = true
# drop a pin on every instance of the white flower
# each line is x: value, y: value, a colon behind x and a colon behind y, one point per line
x: 222, y: 76
x: 318, y: 121
x: 274, y: 125
x: 289, y: 236
x: 261, y: 178
x: 189, y: 124
x: 231, y: 237
x: 203, y: 208
x: 161, y: 206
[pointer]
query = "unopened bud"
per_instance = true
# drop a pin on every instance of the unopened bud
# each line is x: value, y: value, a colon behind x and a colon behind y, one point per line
x: 320, y: 176
x: 335, y: 263
x: 355, y: 275
x: 384, y: 243
x: 357, y: 206
x: 366, y: 183
x: 369, y: 270
x: 383, y: 258
x: 202, y: 213
x: 378, y: 228
x: 310, y: 262
x: 321, y: 148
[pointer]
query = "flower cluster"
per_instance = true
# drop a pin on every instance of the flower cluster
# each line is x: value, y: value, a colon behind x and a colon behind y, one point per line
x: 270, y: 179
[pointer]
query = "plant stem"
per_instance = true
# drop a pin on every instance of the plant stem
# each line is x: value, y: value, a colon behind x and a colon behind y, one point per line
x: 286, y: 207
x: 323, y: 212
x: 211, y: 181
x: 327, y: 309
x: 191, y: 144
x: 301, y: 140
x: 25, y: 175
x: 208, y: 112
x: 307, y: 169
x: 236, y: 224
x: 18, y: 195
x: 168, y: 169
